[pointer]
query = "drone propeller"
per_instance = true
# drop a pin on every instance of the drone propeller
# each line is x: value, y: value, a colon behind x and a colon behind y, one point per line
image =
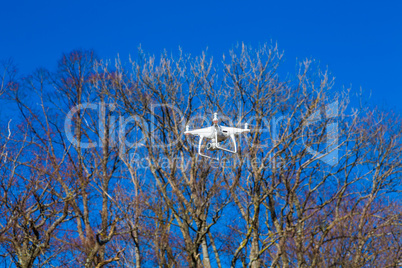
x: 215, y: 120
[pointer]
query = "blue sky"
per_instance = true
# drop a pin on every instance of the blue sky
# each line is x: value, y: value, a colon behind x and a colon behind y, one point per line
x: 359, y: 41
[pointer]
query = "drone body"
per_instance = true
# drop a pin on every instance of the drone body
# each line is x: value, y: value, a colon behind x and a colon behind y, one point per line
x: 216, y: 134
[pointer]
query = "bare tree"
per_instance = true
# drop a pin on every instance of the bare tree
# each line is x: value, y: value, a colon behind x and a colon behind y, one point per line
x: 313, y: 185
x: 77, y: 85
x: 32, y: 208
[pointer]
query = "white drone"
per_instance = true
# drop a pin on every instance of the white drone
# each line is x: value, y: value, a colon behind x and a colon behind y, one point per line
x: 216, y: 134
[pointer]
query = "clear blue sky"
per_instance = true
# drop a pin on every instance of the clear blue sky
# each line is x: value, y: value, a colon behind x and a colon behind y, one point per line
x: 360, y: 41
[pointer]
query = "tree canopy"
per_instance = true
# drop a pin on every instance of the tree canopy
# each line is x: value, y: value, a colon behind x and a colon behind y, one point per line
x: 96, y: 171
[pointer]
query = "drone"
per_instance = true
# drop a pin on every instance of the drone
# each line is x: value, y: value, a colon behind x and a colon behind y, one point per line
x: 216, y: 134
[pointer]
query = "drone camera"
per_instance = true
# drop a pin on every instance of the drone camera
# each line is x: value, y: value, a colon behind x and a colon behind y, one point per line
x: 211, y: 146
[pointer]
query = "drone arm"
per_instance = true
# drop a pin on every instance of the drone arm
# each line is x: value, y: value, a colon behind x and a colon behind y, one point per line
x: 234, y: 130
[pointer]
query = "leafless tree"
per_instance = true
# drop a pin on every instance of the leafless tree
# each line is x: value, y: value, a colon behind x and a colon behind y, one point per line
x: 32, y: 209
x: 314, y: 184
x: 278, y: 183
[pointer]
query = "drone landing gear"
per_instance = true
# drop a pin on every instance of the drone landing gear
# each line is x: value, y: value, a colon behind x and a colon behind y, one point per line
x: 217, y: 146
x: 232, y: 137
